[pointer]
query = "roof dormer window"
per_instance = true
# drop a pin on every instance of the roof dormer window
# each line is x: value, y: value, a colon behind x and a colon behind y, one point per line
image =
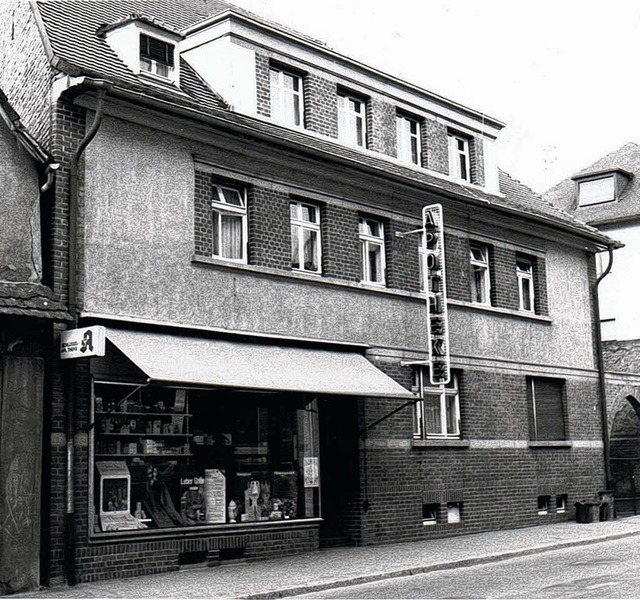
x: 156, y: 56
x: 596, y: 191
x: 598, y: 187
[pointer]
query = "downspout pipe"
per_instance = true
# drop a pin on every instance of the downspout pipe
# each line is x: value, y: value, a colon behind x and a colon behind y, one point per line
x: 70, y: 539
x: 601, y: 372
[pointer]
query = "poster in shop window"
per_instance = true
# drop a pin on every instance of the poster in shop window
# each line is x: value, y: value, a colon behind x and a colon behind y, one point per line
x: 311, y: 472
x: 215, y: 496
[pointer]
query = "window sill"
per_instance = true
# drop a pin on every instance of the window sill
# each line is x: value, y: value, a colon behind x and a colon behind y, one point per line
x: 440, y: 444
x: 521, y: 314
x: 313, y: 278
x: 554, y: 444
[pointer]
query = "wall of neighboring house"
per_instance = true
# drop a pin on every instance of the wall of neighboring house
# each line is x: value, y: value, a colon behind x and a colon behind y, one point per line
x: 21, y: 374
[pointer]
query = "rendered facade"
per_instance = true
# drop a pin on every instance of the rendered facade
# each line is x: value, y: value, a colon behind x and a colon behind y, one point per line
x: 239, y: 211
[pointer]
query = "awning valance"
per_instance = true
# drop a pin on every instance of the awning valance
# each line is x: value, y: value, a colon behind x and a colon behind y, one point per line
x: 222, y: 363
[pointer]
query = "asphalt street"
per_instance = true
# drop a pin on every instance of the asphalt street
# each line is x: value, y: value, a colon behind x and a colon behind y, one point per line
x: 608, y: 569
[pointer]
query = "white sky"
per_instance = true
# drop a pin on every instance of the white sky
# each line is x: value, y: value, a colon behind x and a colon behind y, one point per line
x: 561, y: 74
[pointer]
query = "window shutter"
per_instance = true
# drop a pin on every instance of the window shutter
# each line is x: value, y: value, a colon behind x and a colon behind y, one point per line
x: 156, y: 49
x: 549, y: 411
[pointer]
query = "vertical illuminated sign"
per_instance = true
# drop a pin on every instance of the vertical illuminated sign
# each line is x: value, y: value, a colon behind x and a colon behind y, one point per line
x: 436, y: 292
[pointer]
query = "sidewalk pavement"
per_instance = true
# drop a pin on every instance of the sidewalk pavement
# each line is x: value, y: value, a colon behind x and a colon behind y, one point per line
x: 339, y: 567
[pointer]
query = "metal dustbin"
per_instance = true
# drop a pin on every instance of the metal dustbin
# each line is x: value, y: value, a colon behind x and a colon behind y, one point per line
x: 587, y: 512
x: 607, y: 509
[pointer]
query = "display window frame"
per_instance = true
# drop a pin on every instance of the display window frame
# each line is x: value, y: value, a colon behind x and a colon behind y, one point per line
x: 271, y: 506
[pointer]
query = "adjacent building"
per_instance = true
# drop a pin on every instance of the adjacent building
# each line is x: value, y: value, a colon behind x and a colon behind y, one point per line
x: 28, y: 312
x: 606, y: 195
x: 240, y: 212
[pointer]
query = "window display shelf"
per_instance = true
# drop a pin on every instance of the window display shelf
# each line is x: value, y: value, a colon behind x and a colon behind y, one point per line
x: 142, y: 414
x: 146, y: 435
x: 150, y: 455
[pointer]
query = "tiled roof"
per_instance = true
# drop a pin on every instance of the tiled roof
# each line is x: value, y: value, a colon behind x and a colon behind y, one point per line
x: 72, y: 27
x: 30, y: 300
x: 626, y: 206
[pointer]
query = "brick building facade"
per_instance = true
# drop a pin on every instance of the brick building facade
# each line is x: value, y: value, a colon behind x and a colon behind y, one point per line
x: 249, y: 239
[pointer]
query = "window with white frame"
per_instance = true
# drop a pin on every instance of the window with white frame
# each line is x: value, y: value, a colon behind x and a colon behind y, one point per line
x: 459, y: 157
x: 561, y: 503
x: 543, y: 505
x: 437, y: 412
x: 351, y: 120
x: 286, y: 97
x: 480, y: 274
x: 305, y: 237
x: 372, y: 249
x: 524, y: 271
x: 156, y: 56
x: 229, y: 222
x: 408, y: 139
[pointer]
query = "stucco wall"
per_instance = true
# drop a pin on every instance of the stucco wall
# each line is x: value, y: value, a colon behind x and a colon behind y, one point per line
x: 20, y: 256
x: 140, y: 240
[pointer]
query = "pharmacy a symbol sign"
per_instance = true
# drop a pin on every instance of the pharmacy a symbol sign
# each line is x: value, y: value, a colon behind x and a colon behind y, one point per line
x: 83, y: 342
x: 436, y: 292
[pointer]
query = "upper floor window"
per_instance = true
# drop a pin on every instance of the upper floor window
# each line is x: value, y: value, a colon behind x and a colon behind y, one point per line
x: 437, y: 413
x: 524, y: 272
x: 229, y: 214
x: 595, y: 191
x: 480, y: 273
x: 156, y: 56
x: 459, y: 157
x: 351, y: 120
x: 372, y: 248
x: 305, y: 237
x: 286, y: 97
x: 546, y: 409
x: 408, y: 139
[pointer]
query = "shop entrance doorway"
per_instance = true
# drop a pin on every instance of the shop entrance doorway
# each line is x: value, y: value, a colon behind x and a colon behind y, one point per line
x: 339, y: 473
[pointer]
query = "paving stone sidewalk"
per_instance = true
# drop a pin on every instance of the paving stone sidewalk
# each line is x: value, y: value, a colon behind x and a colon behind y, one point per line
x: 338, y: 567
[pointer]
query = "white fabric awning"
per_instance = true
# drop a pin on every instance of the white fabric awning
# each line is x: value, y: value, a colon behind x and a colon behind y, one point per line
x: 222, y: 363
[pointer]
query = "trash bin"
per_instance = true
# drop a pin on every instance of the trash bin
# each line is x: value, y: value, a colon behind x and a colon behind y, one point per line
x: 587, y: 512
x: 607, y: 510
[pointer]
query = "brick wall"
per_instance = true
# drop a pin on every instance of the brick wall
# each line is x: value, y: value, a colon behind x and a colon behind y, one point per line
x: 269, y: 228
x: 399, y: 480
x: 435, y: 150
x: 320, y: 105
x: 68, y: 130
x: 381, y: 127
x: 403, y: 267
x: 540, y: 286
x: 263, y: 100
x: 504, y: 280
x: 456, y: 250
x: 340, y: 243
x: 203, y: 226
x: 476, y: 157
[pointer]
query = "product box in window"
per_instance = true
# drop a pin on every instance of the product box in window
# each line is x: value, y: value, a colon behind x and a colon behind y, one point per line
x: 192, y: 499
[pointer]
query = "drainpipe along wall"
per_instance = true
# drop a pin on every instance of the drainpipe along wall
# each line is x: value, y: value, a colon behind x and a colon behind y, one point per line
x: 601, y: 371
x: 70, y: 539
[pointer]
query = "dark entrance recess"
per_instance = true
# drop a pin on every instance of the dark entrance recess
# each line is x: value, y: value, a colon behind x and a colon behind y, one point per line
x: 339, y: 476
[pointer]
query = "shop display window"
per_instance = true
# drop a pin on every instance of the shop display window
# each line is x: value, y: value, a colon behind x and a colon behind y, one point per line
x: 170, y: 457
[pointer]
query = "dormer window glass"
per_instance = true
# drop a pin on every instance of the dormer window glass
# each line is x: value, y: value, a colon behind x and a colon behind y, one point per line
x: 459, y: 157
x: 156, y: 56
x: 595, y: 191
x: 351, y: 120
x: 286, y: 97
x: 408, y: 139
